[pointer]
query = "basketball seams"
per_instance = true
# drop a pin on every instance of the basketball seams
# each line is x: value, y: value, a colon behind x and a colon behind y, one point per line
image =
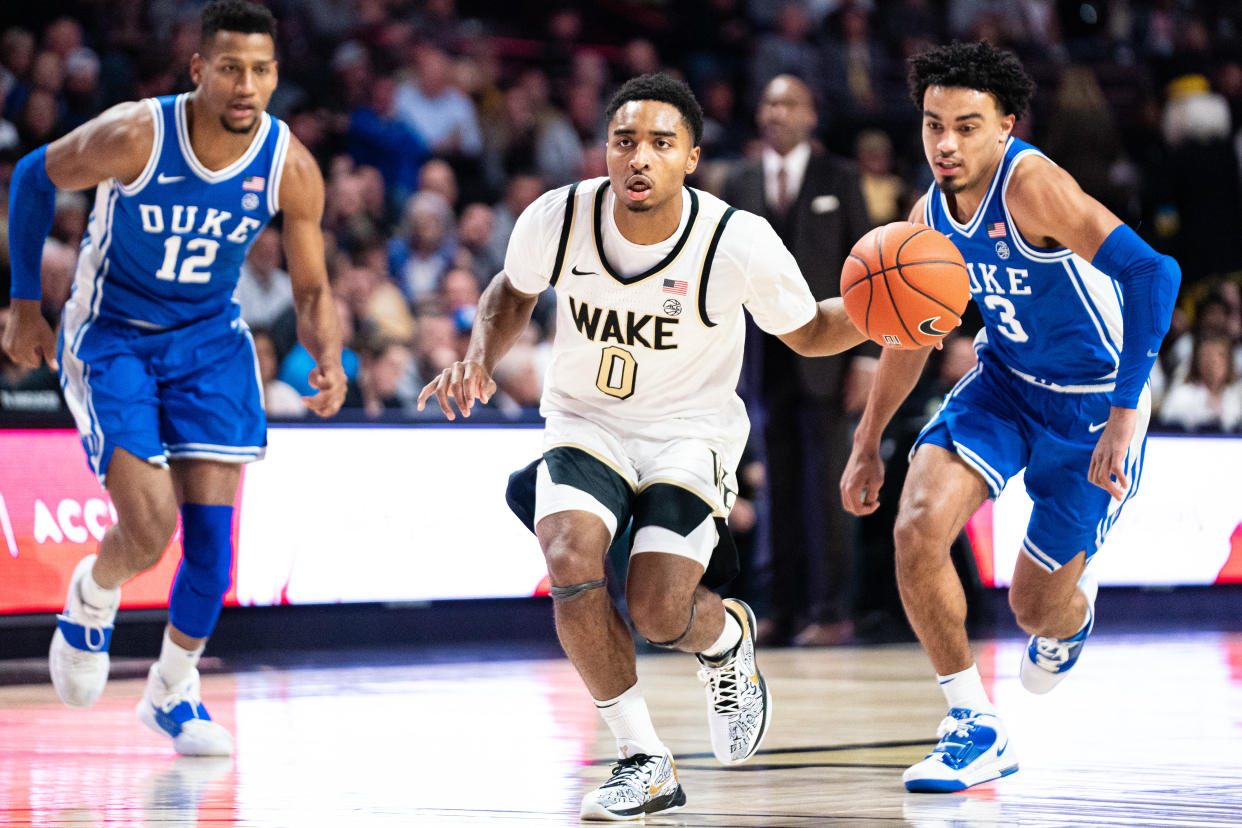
x: 900, y: 275
x: 922, y: 292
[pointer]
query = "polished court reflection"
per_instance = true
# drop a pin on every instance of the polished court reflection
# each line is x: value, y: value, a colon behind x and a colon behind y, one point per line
x: 1147, y: 731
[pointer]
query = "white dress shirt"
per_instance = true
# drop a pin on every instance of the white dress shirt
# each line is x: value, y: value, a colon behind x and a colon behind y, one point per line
x: 794, y: 162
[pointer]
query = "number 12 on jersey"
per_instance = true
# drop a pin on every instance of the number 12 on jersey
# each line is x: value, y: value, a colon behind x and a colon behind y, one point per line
x: 195, y: 267
x: 617, y: 369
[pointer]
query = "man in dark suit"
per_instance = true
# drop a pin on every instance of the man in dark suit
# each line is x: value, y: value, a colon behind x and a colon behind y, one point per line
x: 815, y: 203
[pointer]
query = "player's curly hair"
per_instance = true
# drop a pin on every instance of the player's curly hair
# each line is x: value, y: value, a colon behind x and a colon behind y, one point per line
x: 236, y: 16
x: 666, y: 89
x: 979, y: 66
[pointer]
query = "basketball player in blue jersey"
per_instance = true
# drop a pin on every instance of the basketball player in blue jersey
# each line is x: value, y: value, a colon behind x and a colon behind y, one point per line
x: 155, y: 363
x: 1075, y: 306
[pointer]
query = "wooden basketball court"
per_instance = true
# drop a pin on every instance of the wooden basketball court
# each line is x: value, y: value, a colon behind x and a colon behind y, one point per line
x: 1148, y: 731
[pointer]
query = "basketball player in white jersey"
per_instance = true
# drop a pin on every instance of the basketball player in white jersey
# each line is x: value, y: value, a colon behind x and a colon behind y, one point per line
x: 644, y: 427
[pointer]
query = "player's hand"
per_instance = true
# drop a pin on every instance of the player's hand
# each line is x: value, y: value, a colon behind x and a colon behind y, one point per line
x: 461, y: 382
x: 331, y: 384
x: 1108, y: 461
x: 28, y: 339
x: 860, y: 485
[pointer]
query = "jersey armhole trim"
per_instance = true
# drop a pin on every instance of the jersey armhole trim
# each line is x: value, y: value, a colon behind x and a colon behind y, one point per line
x: 707, y: 266
x: 571, y: 201
x: 157, y: 147
x: 278, y: 168
x: 1043, y: 254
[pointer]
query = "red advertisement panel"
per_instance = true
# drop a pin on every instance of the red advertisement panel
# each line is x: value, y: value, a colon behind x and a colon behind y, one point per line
x: 53, y: 513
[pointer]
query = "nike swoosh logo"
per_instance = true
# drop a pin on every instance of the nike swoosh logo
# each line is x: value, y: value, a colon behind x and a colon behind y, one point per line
x: 1152, y: 354
x: 169, y: 179
x: 574, y: 270
x: 1094, y: 427
x: 928, y: 327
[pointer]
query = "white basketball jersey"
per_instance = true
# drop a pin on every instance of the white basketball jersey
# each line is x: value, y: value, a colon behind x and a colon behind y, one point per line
x: 647, y: 333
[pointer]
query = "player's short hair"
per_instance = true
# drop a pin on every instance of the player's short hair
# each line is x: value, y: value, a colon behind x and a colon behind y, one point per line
x: 235, y: 16
x: 665, y: 89
x: 979, y: 66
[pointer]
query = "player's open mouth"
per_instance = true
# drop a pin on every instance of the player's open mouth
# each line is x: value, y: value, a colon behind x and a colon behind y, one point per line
x: 241, y: 111
x: 637, y: 188
x: 948, y: 167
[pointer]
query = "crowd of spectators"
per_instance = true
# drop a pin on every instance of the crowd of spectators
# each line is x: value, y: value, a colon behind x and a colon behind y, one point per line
x: 437, y: 122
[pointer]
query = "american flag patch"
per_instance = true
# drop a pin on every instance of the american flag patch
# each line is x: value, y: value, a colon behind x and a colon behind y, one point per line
x: 996, y: 230
x: 675, y: 286
x: 254, y: 183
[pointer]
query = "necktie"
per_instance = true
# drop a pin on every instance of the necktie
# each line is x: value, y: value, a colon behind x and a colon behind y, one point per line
x: 782, y: 191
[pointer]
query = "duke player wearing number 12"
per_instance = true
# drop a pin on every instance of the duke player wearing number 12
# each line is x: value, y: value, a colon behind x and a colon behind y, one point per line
x: 644, y: 426
x: 1075, y: 306
x: 155, y: 363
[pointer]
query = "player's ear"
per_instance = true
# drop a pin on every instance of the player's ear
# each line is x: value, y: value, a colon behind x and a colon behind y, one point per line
x: 1007, y: 122
x: 196, y: 68
x: 692, y: 162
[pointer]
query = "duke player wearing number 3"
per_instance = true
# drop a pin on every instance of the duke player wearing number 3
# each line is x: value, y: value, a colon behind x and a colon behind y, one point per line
x: 1075, y: 306
x: 155, y: 363
x: 644, y: 426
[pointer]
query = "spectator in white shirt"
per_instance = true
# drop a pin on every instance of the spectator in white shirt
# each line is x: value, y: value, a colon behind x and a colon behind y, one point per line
x: 1210, y: 397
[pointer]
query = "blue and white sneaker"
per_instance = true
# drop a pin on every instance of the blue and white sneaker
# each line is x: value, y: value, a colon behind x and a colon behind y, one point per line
x: 78, y: 658
x: 178, y: 712
x: 1046, y: 660
x: 974, y: 748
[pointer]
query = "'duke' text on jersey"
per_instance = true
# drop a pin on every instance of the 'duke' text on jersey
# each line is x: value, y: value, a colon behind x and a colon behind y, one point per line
x: 603, y: 325
x: 984, y: 279
x: 185, y: 219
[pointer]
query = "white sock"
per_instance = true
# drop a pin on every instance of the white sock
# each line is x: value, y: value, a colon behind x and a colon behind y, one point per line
x: 729, y: 637
x: 176, y: 662
x: 629, y: 721
x: 965, y: 689
x: 95, y: 596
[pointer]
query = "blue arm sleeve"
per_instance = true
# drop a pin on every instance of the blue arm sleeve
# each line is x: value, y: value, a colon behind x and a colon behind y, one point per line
x: 32, y: 204
x: 1149, y: 282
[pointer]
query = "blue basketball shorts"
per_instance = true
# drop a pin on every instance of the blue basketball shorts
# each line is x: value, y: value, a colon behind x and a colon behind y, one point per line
x: 1000, y: 424
x: 188, y: 392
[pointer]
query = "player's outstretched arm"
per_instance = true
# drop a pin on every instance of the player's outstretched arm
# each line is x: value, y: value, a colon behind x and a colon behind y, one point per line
x: 319, y: 331
x: 502, y: 315
x: 117, y: 145
x: 1050, y: 208
x: 829, y: 332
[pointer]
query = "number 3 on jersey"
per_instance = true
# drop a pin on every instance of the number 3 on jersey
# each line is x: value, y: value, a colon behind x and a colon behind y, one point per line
x: 1009, y: 324
x: 617, y: 368
x: 195, y: 267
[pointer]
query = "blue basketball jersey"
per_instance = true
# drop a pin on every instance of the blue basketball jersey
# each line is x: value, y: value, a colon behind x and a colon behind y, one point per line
x: 167, y: 249
x: 1049, y: 316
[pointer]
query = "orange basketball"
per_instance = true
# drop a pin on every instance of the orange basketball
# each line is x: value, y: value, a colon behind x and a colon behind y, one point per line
x: 905, y: 285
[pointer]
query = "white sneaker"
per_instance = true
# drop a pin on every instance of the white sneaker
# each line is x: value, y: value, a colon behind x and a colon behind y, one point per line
x: 1045, y: 661
x: 973, y: 749
x: 639, y: 785
x: 739, y: 705
x: 178, y: 712
x: 78, y: 658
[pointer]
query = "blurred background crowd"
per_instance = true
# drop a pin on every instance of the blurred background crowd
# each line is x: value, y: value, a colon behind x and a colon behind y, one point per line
x: 436, y: 122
